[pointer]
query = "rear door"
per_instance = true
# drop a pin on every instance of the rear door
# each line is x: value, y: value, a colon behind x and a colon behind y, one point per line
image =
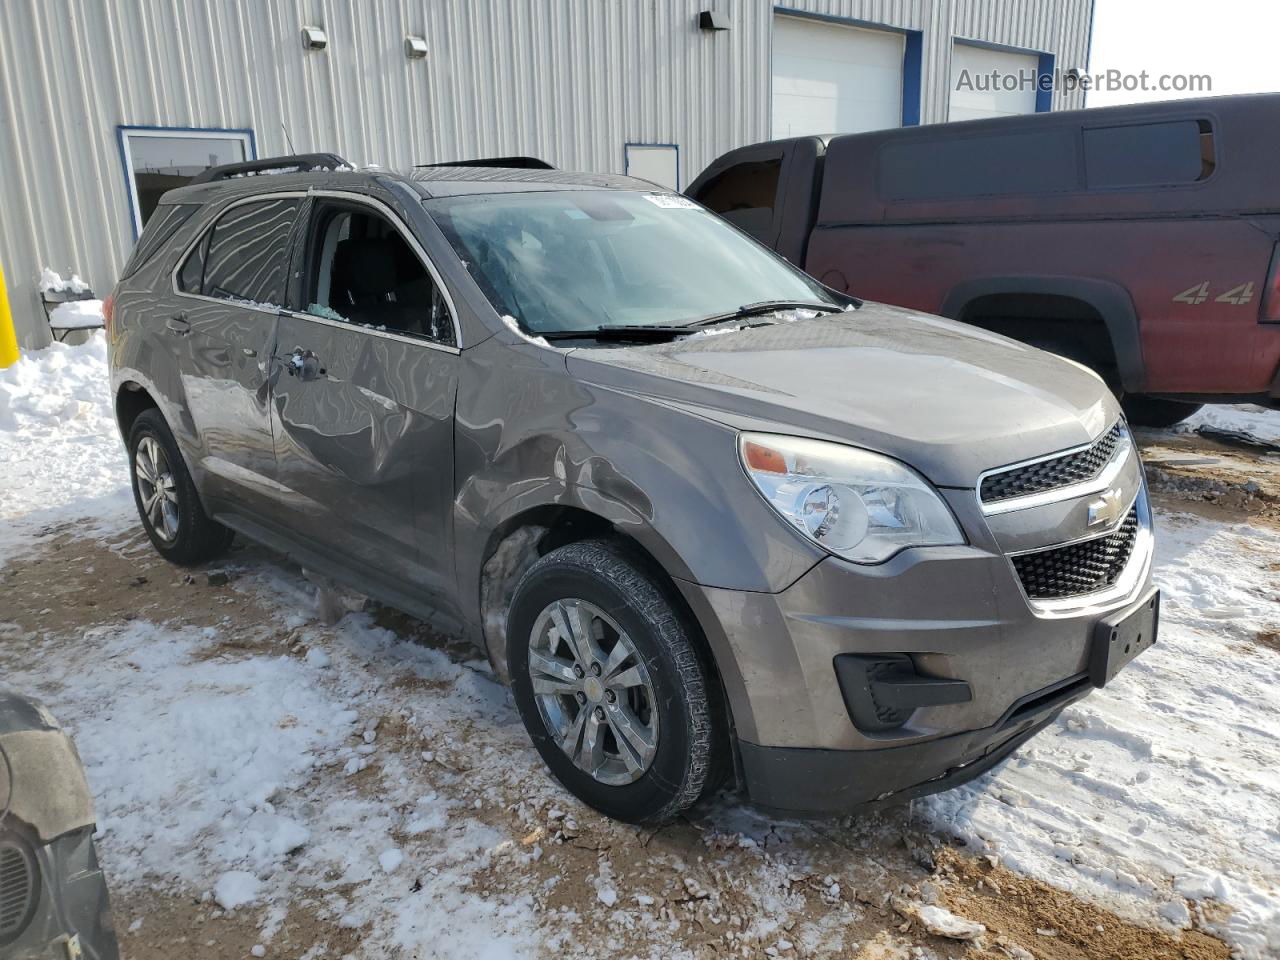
x: 363, y: 403
x: 229, y: 286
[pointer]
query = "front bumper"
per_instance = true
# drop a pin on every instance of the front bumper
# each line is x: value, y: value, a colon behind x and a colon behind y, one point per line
x: 794, y: 779
x: 954, y: 613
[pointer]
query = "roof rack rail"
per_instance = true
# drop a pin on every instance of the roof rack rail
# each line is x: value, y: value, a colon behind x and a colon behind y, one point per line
x: 517, y: 163
x: 297, y: 163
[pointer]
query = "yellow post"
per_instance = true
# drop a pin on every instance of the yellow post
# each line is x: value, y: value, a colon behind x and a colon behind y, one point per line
x: 8, y: 335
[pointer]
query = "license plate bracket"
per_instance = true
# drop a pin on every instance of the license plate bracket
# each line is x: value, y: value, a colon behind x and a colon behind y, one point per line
x: 1120, y: 638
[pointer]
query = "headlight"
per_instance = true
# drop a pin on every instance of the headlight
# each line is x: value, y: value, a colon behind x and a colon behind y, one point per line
x: 856, y: 504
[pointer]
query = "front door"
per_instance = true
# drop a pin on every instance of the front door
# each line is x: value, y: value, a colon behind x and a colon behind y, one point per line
x: 363, y: 401
x: 230, y: 285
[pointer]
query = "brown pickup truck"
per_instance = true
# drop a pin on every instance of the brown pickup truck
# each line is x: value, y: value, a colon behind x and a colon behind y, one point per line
x: 1140, y: 240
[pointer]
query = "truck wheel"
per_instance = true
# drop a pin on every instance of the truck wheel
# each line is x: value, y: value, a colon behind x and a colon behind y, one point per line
x: 166, y: 497
x: 1154, y: 412
x: 610, y: 685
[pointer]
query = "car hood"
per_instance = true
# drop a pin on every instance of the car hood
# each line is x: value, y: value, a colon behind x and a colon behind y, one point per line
x: 946, y: 398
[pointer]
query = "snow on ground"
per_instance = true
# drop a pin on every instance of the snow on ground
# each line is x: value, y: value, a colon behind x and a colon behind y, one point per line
x: 1261, y: 422
x: 215, y: 773
x: 205, y: 769
x: 1164, y: 786
x: 63, y: 459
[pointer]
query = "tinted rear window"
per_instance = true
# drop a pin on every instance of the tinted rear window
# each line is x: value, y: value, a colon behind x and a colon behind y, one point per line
x: 248, y: 254
x: 745, y: 195
x: 1148, y: 154
x: 162, y: 225
x: 984, y: 166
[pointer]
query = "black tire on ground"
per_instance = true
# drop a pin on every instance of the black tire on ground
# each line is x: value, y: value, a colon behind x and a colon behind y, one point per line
x: 692, y: 749
x: 1155, y: 412
x: 197, y: 538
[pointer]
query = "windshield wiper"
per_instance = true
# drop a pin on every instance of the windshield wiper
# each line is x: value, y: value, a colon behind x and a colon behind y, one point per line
x: 637, y: 332
x: 765, y: 306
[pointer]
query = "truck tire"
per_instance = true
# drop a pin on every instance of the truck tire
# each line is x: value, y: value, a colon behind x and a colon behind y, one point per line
x: 1147, y: 411
x: 166, y: 497
x: 611, y: 684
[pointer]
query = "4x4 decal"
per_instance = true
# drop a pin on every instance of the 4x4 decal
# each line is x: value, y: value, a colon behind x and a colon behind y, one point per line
x: 1200, y: 293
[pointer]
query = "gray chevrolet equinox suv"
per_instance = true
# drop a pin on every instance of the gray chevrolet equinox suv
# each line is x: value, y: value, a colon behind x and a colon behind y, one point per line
x: 707, y: 517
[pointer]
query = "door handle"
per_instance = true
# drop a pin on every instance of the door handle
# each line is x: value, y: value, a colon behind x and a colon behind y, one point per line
x: 179, y: 324
x: 304, y: 365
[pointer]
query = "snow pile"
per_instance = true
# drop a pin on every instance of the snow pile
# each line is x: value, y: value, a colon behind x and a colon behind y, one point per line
x: 1261, y: 422
x: 77, y: 315
x: 53, y: 282
x: 1165, y: 786
x: 63, y: 457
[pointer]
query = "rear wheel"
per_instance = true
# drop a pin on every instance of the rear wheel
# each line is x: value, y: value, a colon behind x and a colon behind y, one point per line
x: 166, y: 497
x: 610, y: 684
x: 1155, y: 412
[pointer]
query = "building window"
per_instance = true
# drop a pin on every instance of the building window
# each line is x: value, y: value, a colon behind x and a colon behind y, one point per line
x: 656, y: 162
x: 157, y: 159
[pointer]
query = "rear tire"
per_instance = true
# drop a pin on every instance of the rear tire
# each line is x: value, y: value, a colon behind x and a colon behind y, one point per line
x: 591, y: 615
x: 1155, y: 412
x: 166, y: 497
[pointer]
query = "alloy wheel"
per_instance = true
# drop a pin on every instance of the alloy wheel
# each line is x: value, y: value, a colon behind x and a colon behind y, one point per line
x: 156, y: 488
x: 593, y: 691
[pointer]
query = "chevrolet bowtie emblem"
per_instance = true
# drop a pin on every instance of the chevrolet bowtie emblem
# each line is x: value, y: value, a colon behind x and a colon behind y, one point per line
x: 1105, y: 511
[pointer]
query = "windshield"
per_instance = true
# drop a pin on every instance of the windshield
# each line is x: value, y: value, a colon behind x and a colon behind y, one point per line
x: 579, y: 260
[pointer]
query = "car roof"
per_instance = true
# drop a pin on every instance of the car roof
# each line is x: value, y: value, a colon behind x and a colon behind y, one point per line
x: 442, y: 181
x: 454, y: 181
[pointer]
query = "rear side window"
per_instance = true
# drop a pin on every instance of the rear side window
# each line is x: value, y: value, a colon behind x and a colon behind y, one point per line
x: 191, y: 276
x: 1006, y: 164
x: 246, y: 254
x: 745, y: 195
x: 162, y: 225
x: 1148, y: 154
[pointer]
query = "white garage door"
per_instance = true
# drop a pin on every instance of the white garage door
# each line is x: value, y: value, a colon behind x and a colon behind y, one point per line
x: 829, y: 78
x: 971, y: 103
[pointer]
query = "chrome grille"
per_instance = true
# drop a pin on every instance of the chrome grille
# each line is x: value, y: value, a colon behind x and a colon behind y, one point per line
x: 1063, y: 471
x: 17, y: 889
x: 1078, y: 568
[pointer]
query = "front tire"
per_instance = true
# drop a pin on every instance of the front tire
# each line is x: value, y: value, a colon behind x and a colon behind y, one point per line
x: 611, y: 685
x: 166, y: 497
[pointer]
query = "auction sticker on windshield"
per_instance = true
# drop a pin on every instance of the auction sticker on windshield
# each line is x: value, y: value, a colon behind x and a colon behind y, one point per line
x: 670, y: 200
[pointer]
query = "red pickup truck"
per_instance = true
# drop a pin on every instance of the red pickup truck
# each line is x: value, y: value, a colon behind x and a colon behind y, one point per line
x: 1140, y: 240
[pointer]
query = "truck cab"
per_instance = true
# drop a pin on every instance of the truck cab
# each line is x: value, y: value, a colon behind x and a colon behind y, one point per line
x: 1138, y: 240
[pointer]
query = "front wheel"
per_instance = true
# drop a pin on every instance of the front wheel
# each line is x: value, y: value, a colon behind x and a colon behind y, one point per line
x: 1155, y: 412
x: 610, y: 684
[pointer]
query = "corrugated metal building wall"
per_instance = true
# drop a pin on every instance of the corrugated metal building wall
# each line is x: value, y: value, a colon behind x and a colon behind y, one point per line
x: 571, y: 81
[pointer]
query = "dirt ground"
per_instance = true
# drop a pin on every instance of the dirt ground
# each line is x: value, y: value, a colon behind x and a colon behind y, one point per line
x: 860, y: 876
